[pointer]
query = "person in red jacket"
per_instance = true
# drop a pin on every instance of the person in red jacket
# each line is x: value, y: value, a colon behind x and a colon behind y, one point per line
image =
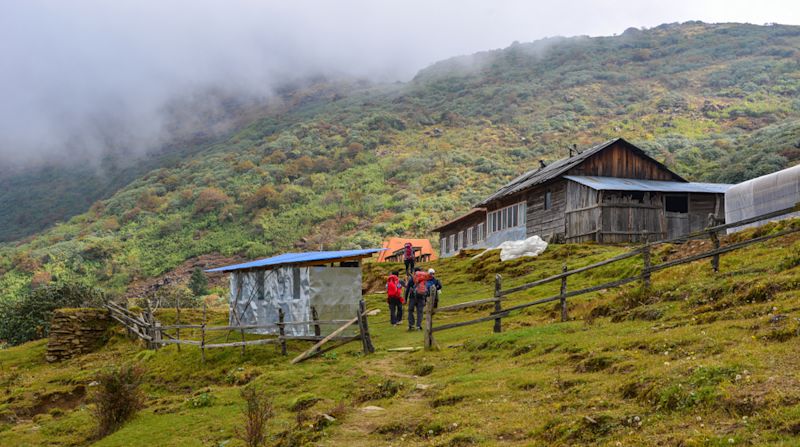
x: 394, y: 296
x: 408, y: 258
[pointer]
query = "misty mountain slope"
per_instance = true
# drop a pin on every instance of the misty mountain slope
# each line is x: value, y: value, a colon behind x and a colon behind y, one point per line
x: 37, y: 195
x: 714, y: 102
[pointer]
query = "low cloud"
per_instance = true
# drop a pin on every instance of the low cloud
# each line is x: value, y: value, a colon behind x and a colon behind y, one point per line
x: 82, y: 77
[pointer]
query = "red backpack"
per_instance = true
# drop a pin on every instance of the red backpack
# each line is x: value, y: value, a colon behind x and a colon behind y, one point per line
x: 409, y: 251
x: 420, y: 282
x: 392, y: 291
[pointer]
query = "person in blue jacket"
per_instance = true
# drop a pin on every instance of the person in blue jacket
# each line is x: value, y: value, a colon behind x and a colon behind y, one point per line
x: 433, y: 282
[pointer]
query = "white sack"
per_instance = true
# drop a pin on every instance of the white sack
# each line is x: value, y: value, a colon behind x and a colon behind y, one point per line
x: 533, y: 246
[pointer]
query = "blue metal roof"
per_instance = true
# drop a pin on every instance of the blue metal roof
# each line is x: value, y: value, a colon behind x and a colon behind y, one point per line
x: 297, y: 258
x: 630, y: 184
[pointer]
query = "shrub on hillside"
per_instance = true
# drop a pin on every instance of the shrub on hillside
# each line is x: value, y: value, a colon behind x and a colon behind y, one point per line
x: 117, y: 398
x: 28, y: 317
x: 210, y: 199
x: 257, y: 413
x: 265, y: 197
x: 170, y: 296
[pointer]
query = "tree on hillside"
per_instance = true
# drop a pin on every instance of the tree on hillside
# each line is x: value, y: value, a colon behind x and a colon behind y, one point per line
x: 198, y: 282
x: 210, y: 199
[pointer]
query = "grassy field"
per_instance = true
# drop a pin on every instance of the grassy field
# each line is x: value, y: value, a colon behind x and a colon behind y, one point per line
x: 703, y: 359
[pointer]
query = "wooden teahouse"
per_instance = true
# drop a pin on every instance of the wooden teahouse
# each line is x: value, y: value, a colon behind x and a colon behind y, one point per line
x: 612, y: 192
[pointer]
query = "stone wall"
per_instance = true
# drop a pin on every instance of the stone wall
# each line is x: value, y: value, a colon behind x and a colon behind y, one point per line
x: 75, y: 332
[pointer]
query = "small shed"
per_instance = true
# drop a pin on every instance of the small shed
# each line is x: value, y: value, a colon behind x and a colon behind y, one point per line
x: 328, y: 281
x: 762, y: 195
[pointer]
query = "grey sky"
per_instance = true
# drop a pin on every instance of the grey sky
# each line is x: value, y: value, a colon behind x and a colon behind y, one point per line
x: 75, y: 74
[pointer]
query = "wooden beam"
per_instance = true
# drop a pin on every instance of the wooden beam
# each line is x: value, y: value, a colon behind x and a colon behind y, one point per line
x: 529, y: 285
x: 492, y: 317
x: 333, y: 334
x: 464, y: 305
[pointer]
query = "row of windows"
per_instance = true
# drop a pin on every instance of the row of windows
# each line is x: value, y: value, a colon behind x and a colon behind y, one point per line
x: 508, y: 217
x: 463, y: 239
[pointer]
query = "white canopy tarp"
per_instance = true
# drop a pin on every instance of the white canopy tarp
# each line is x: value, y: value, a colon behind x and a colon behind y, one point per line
x: 762, y: 195
x: 532, y: 246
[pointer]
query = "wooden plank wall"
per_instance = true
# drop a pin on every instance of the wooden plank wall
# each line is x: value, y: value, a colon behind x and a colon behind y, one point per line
x: 582, y: 213
x: 620, y: 161
x: 700, y: 206
x: 625, y: 219
x: 547, y: 223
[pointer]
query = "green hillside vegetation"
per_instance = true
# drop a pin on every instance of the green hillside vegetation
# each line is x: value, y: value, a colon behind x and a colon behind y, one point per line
x: 703, y: 359
x: 714, y: 102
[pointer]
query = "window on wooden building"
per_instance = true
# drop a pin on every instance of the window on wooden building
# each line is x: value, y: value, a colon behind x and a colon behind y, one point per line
x: 548, y: 200
x: 481, y: 232
x: 508, y: 217
x: 451, y: 242
x: 469, y: 236
x: 443, y: 245
x: 460, y: 240
x: 676, y: 204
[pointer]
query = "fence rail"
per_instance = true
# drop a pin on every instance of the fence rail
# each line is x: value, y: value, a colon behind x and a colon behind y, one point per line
x: 501, y: 295
x: 147, y: 328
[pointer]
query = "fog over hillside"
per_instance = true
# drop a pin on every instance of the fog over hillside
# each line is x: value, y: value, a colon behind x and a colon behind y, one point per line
x: 82, y: 77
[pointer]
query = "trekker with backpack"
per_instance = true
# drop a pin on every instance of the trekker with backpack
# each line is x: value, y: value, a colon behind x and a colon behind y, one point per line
x: 394, y: 296
x: 417, y: 301
x: 408, y: 258
x: 430, y: 284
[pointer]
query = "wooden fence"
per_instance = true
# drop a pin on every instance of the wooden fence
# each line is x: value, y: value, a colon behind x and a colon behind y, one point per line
x: 146, y: 327
x: 501, y: 295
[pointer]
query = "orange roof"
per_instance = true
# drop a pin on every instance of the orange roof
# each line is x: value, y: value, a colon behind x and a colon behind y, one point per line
x: 396, y: 243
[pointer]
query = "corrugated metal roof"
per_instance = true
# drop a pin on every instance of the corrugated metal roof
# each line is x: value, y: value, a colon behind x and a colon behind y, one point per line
x: 630, y: 184
x: 558, y: 167
x: 297, y: 258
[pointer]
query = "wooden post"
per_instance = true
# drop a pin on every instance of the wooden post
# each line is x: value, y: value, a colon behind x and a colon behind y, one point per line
x: 282, y: 331
x: 178, y: 322
x: 715, y: 241
x: 712, y: 221
x: 564, y: 316
x: 315, y: 317
x: 203, y: 335
x: 150, y: 325
x: 497, y: 306
x: 428, y: 327
x: 360, y: 323
x: 366, y: 339
x: 156, y: 334
x: 128, y: 329
x: 646, y: 260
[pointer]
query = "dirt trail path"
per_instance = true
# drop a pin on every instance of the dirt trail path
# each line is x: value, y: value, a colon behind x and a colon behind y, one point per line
x: 359, y: 427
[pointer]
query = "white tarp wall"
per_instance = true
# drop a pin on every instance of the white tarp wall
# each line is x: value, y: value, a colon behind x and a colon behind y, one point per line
x: 761, y: 195
x: 256, y: 296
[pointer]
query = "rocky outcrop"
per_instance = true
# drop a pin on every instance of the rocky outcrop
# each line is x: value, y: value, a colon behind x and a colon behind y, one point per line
x: 75, y: 332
